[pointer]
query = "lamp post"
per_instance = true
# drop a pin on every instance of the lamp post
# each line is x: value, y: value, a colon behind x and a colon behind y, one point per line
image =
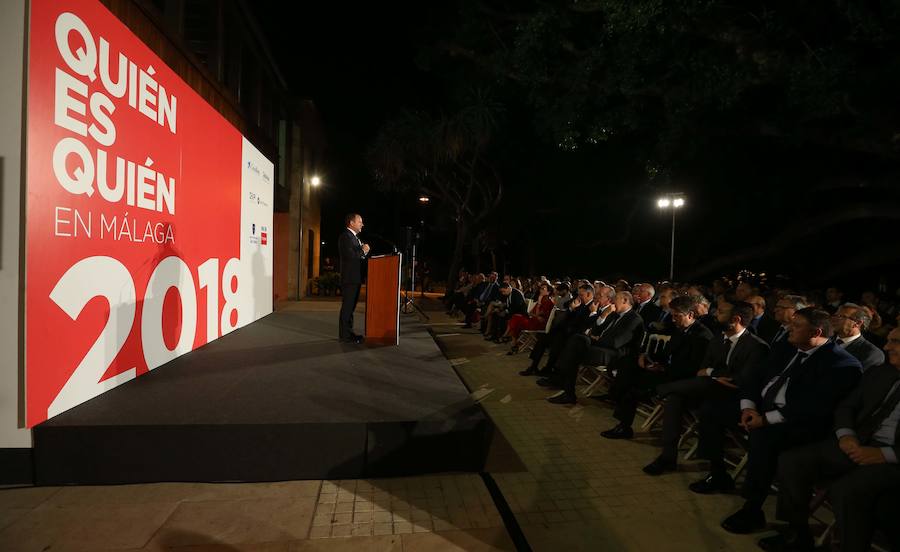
x: 672, y: 201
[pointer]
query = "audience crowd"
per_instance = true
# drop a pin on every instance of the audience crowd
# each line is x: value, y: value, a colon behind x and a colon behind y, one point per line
x: 806, y: 385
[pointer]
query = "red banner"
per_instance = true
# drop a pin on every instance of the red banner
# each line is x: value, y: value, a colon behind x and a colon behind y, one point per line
x: 140, y: 201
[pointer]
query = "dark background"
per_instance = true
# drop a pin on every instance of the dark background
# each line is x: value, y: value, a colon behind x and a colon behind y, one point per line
x: 775, y: 183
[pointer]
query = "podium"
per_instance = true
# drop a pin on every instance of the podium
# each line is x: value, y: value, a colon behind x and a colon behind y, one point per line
x: 383, y: 299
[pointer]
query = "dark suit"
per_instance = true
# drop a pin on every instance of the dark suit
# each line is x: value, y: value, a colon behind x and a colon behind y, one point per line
x: 575, y: 321
x: 865, y: 352
x: 765, y: 327
x: 854, y: 492
x: 650, y: 313
x: 813, y: 391
x: 682, y: 358
x: 622, y: 338
x: 352, y: 259
x: 511, y: 304
x: 720, y: 406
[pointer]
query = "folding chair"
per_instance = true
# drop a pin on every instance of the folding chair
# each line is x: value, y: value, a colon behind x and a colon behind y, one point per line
x: 652, y: 409
x: 528, y: 338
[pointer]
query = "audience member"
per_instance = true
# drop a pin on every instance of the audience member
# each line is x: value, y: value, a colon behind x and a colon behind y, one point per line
x: 534, y: 320
x: 861, y: 457
x: 763, y: 325
x: 793, y: 408
x: 644, y: 305
x: 680, y: 359
x: 576, y: 319
x: 849, y: 321
x: 621, y: 336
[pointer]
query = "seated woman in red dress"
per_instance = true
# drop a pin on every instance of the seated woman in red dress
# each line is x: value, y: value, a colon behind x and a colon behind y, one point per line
x: 534, y: 320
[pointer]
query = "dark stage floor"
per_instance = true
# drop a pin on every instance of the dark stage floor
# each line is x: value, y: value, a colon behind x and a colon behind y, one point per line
x: 277, y: 399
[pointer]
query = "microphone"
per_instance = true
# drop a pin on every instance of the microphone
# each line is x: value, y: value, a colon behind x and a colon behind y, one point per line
x: 383, y: 239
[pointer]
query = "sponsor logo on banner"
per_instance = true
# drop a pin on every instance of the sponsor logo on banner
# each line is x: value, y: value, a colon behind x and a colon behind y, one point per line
x: 135, y: 212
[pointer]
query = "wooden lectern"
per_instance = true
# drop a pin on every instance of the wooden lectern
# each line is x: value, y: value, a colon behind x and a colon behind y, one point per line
x: 383, y: 300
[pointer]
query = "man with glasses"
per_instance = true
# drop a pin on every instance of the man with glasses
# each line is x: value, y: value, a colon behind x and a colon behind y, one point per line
x: 849, y: 321
x: 762, y: 324
x: 785, y: 308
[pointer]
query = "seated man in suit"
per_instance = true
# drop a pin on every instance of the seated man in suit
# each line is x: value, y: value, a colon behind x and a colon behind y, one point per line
x: 861, y: 457
x: 491, y: 302
x: 512, y: 302
x: 576, y: 319
x: 849, y: 322
x: 762, y: 324
x: 794, y: 407
x: 732, y: 360
x: 469, y: 302
x: 644, y: 305
x: 680, y: 359
x: 663, y: 324
x: 784, y: 309
x: 620, y: 336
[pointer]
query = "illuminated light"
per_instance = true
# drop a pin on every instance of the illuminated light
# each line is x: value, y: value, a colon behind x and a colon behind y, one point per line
x: 315, y: 181
x: 663, y: 203
x: 424, y: 199
x: 678, y: 202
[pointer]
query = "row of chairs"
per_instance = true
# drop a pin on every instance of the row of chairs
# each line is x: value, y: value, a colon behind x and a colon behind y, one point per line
x: 595, y: 378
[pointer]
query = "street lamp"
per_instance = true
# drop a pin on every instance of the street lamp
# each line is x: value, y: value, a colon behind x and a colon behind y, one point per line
x: 315, y: 181
x: 672, y: 201
x: 424, y: 199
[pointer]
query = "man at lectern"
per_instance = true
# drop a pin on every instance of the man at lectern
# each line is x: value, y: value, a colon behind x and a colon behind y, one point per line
x: 353, y: 255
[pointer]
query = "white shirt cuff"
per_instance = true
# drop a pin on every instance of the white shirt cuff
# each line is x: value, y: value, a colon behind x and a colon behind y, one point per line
x: 774, y: 417
x: 845, y: 432
x: 709, y: 371
x: 746, y: 403
x: 889, y: 455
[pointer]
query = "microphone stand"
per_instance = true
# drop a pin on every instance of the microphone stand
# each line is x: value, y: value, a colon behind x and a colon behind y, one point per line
x: 409, y: 304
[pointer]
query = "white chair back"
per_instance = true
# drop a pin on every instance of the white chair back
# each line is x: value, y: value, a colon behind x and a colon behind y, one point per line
x: 550, y: 320
x: 655, y: 343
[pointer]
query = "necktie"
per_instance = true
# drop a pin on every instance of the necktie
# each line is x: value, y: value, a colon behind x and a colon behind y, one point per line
x: 781, y: 334
x: 871, y: 423
x: 772, y: 391
x: 722, y: 363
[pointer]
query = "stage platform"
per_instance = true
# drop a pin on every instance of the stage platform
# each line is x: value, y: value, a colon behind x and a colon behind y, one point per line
x: 278, y: 399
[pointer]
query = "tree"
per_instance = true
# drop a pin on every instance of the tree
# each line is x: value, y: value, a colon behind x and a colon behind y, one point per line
x: 809, y: 86
x: 445, y: 157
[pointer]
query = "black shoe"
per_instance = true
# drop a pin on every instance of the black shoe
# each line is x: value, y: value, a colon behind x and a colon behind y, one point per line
x: 790, y: 541
x: 618, y: 432
x: 713, y: 483
x: 660, y: 466
x: 562, y: 398
x: 548, y: 382
x: 530, y: 371
x: 745, y: 521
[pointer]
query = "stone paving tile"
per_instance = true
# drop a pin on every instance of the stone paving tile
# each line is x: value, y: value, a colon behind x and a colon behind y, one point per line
x: 404, y: 505
x: 580, y: 491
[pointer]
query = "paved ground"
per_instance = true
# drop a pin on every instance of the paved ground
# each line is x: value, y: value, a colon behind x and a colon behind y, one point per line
x: 568, y: 488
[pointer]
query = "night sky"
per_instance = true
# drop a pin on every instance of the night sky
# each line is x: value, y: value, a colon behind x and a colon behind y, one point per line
x: 588, y: 213
x: 358, y: 70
